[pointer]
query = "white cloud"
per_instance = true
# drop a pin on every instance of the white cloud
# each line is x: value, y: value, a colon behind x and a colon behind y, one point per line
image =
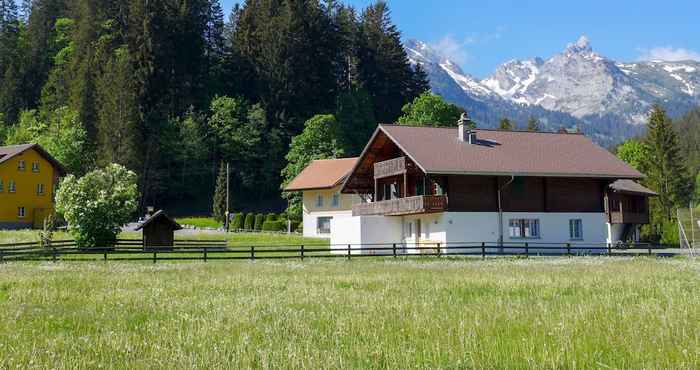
x: 669, y: 54
x: 452, y: 49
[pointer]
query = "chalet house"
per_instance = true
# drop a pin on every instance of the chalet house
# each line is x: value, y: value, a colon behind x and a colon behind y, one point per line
x: 28, y: 179
x: 456, y: 185
x: 323, y: 202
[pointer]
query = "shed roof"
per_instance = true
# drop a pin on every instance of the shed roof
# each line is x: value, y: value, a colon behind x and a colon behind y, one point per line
x: 322, y: 174
x: 439, y: 151
x: 11, y: 151
x: 159, y: 215
x: 632, y: 187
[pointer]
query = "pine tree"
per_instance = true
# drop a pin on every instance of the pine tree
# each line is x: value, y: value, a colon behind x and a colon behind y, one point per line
x: 505, y: 125
x: 219, y: 206
x: 666, y: 170
x: 533, y: 125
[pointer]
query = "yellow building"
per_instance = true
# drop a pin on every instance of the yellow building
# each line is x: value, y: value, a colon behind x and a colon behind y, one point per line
x: 28, y: 180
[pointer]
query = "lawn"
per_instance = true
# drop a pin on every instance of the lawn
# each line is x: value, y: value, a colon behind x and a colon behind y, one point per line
x: 200, y: 222
x: 383, y: 313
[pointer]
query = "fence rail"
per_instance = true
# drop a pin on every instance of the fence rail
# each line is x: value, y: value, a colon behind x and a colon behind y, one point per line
x: 206, y: 250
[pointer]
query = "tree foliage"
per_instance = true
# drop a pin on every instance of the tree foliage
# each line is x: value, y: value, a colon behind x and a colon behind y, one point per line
x: 635, y: 153
x: 219, y: 207
x: 430, y: 109
x: 533, y: 125
x: 505, y: 125
x: 97, y: 204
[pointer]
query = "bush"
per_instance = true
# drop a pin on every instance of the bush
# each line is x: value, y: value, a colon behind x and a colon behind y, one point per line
x: 272, y: 217
x: 259, y: 220
x: 275, y: 226
x: 249, y: 222
x: 237, y: 222
x: 299, y: 228
x: 669, y: 233
x: 97, y: 204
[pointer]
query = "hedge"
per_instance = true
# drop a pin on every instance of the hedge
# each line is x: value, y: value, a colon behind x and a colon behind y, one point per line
x: 272, y: 217
x: 259, y: 220
x: 237, y: 222
x: 249, y: 222
x: 274, y: 226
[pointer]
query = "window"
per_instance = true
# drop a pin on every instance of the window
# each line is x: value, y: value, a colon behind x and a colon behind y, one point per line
x: 40, y: 189
x: 20, y: 212
x: 323, y: 225
x: 21, y: 165
x: 319, y: 201
x: 35, y: 166
x: 576, y: 229
x: 410, y: 229
x: 2, y: 186
x: 336, y: 200
x: 524, y: 228
x: 11, y: 186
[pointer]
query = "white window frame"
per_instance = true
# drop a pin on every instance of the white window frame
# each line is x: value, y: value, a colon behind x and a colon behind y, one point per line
x: 35, y: 167
x: 335, y: 202
x: 319, y: 201
x: 12, y: 186
x: 524, y: 228
x: 21, y: 165
x: 21, y: 212
x: 576, y: 229
x: 40, y: 189
x: 321, y: 231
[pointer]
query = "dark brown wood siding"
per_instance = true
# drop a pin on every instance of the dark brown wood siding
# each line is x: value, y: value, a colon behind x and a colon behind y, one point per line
x: 575, y: 195
x: 525, y: 194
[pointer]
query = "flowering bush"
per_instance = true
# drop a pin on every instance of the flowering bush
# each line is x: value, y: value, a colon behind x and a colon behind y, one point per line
x: 97, y: 204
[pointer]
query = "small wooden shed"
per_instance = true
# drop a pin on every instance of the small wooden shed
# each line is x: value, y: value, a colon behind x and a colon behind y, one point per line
x: 159, y: 231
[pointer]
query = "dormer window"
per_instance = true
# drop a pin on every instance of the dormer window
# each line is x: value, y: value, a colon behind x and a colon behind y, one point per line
x: 21, y: 165
x: 35, y: 166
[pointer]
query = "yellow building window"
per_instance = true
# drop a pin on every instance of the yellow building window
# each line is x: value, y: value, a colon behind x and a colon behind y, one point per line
x: 35, y: 166
x: 40, y: 189
x: 12, y: 187
x: 21, y: 165
x: 2, y: 186
x: 20, y: 212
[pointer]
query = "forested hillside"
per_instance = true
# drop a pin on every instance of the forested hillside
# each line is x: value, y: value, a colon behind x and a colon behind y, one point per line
x: 171, y: 88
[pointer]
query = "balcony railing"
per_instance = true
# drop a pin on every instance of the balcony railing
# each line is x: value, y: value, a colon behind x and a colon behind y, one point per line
x: 629, y: 218
x: 402, y: 206
x: 392, y: 167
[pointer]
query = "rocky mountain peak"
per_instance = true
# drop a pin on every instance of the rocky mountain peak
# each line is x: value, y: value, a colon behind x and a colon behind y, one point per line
x: 581, y: 46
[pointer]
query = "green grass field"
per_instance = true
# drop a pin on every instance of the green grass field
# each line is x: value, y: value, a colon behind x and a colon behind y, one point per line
x: 417, y: 313
x: 201, y: 222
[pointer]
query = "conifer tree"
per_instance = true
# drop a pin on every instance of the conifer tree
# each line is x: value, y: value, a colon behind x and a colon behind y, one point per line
x: 666, y: 171
x: 533, y: 125
x: 505, y: 125
x: 219, y: 206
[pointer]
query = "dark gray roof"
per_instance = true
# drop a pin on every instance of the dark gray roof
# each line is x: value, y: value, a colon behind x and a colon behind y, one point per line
x: 157, y: 215
x: 631, y: 187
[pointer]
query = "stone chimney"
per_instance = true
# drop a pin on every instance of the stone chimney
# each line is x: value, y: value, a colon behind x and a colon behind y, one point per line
x: 465, y: 131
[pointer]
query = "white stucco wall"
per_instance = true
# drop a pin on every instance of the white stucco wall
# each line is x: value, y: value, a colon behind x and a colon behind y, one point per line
x: 469, y: 228
x: 312, y: 210
x: 310, y: 222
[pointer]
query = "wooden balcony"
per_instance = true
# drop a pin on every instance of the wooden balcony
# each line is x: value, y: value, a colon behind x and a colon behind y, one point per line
x: 629, y: 218
x: 402, y: 206
x: 392, y: 167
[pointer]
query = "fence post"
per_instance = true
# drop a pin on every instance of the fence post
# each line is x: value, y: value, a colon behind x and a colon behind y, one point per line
x: 439, y: 250
x: 2, y: 256
x: 205, y: 254
x: 527, y: 250
x: 155, y: 256
x: 483, y: 250
x: 394, y: 249
x: 349, y: 252
x: 252, y: 253
x: 609, y: 249
x: 650, y: 249
x: 53, y: 250
x: 105, y: 256
x: 568, y: 249
x: 302, y: 252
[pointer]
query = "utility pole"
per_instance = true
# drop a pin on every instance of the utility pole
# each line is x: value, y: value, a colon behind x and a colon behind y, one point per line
x: 228, y: 176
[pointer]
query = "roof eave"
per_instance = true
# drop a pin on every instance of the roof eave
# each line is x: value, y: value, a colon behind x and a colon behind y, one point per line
x: 533, y: 174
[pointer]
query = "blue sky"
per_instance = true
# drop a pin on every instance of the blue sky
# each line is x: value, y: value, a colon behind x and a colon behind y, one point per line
x: 480, y: 35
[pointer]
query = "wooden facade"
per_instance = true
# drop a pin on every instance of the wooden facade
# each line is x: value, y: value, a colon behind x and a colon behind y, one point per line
x: 159, y: 231
x: 627, y: 208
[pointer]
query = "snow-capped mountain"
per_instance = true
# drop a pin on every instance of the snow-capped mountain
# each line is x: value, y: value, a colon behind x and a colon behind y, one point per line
x: 588, y: 85
x: 575, y: 87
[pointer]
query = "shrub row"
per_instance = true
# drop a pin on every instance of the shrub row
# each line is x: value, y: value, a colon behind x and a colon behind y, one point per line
x: 261, y: 222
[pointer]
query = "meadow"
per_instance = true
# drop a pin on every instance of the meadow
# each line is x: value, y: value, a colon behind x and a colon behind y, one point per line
x: 587, y: 312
